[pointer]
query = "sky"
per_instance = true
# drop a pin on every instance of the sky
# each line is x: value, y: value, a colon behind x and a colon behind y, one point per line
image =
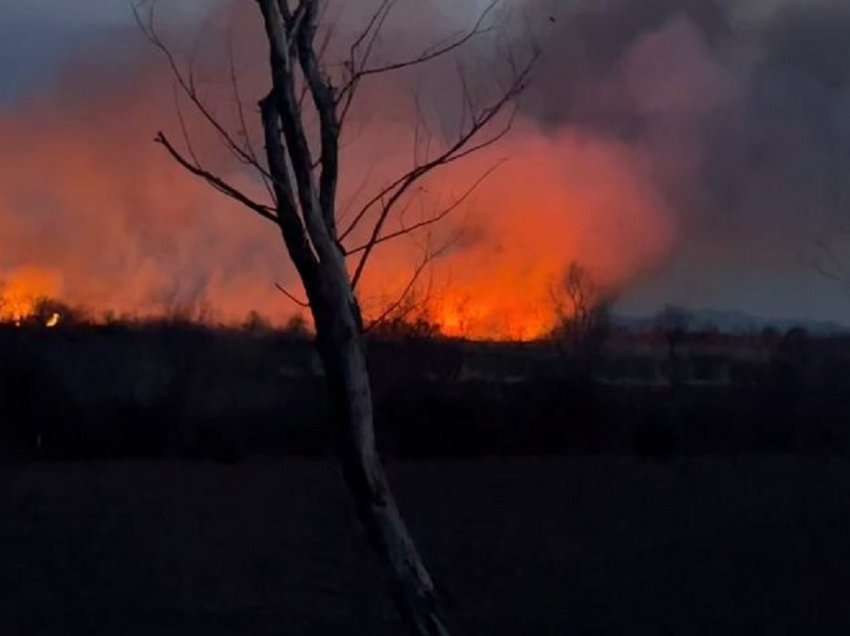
x: 690, y: 152
x: 38, y: 36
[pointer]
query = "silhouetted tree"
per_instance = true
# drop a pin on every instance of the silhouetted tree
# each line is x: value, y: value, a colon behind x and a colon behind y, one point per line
x: 673, y: 323
x: 296, y: 327
x: 256, y: 323
x: 582, y: 309
x: 301, y: 173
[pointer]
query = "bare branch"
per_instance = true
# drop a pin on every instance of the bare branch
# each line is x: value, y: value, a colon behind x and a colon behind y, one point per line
x: 188, y: 87
x: 417, y: 272
x: 428, y: 256
x: 458, y: 150
x: 383, y: 8
x: 455, y: 152
x: 428, y: 55
x: 292, y: 297
x: 216, y: 182
x: 184, y: 130
x: 373, y: 29
x: 347, y: 205
x: 405, y: 230
x: 243, y: 125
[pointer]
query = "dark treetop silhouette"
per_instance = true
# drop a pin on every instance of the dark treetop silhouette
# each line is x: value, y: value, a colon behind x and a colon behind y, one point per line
x: 300, y: 170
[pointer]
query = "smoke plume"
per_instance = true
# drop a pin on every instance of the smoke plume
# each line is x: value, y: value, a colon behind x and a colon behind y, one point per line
x: 658, y: 137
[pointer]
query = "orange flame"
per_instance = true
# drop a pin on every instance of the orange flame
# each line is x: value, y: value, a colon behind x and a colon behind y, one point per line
x: 22, y: 289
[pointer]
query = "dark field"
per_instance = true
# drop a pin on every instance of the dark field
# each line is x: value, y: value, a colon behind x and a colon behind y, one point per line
x: 525, y: 546
x: 154, y: 391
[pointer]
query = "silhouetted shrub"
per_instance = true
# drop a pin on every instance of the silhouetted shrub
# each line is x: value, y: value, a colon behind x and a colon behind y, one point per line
x: 152, y: 388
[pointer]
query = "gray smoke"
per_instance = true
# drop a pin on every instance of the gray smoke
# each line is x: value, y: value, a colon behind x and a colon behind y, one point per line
x: 743, y: 112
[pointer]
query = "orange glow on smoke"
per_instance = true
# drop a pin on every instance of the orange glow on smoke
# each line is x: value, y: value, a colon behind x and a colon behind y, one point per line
x: 557, y: 200
x: 141, y: 237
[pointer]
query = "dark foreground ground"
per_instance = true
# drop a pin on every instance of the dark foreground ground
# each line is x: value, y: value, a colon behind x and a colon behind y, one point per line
x: 558, y: 546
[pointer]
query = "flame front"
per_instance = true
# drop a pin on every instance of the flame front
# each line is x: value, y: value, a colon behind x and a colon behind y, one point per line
x: 22, y: 291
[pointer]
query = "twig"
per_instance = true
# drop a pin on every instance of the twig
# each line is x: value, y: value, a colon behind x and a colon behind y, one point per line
x: 292, y: 297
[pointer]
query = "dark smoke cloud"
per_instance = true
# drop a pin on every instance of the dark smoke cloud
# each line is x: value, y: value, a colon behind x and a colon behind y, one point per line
x: 744, y: 116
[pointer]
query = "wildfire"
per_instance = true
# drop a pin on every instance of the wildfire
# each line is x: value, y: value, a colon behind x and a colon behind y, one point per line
x: 489, y: 313
x: 21, y: 292
x: 169, y: 243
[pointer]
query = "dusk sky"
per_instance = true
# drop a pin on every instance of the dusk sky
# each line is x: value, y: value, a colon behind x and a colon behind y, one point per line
x: 692, y: 152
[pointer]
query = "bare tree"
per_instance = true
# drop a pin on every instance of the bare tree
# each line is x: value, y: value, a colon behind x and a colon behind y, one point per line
x: 582, y: 310
x: 302, y: 119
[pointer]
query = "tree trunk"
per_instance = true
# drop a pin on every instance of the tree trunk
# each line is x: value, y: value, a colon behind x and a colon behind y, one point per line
x: 338, y: 330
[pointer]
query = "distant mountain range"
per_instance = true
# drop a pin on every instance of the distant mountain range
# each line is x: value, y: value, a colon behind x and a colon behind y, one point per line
x: 736, y: 322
